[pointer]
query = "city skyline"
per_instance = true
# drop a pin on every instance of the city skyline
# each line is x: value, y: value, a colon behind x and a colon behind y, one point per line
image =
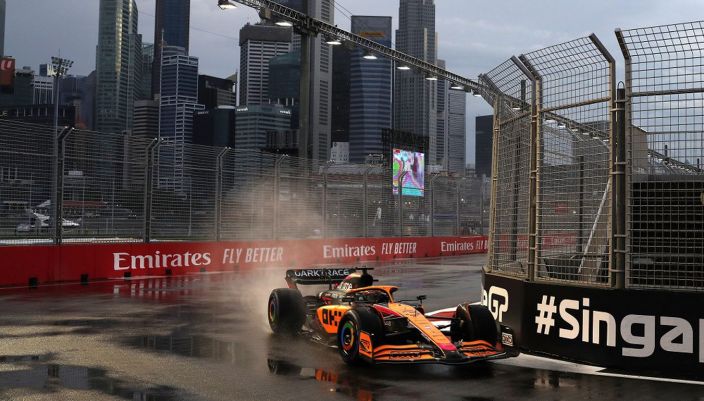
x: 488, y: 35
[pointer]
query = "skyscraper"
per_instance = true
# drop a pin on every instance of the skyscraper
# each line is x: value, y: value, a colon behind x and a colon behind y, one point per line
x: 442, y: 138
x: 415, y: 97
x: 79, y: 92
x: 255, y: 123
x: 43, y: 90
x: 214, y: 92
x: 340, y: 99
x: 215, y: 127
x: 117, y: 57
x: 321, y: 83
x: 146, y: 119
x: 457, y: 130
x: 178, y: 103
x: 23, y: 93
x: 285, y: 84
x: 485, y: 140
x: 258, y: 45
x: 173, y: 26
x: 320, y: 77
x: 145, y: 89
x: 285, y: 78
x: 370, y: 90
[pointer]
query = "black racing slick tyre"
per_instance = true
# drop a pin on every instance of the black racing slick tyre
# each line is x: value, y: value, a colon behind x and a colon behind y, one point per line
x: 352, y: 324
x: 286, y: 311
x: 474, y: 322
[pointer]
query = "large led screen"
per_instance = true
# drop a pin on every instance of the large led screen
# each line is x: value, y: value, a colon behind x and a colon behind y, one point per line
x: 413, y: 164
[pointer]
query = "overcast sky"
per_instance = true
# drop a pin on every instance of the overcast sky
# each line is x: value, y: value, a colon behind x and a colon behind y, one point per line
x: 475, y: 35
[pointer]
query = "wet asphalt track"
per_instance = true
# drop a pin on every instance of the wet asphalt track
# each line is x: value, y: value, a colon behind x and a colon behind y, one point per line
x: 205, y: 337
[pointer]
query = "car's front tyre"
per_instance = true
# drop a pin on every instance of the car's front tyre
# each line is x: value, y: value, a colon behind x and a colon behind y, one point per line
x: 349, y: 335
x: 474, y: 322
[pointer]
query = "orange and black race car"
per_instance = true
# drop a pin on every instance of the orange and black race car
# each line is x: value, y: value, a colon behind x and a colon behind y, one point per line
x: 367, y: 324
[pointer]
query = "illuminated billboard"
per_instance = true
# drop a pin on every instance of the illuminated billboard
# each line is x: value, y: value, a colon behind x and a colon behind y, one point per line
x: 413, y: 165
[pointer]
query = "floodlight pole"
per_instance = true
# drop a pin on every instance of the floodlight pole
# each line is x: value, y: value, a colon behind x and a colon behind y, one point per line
x: 60, y: 66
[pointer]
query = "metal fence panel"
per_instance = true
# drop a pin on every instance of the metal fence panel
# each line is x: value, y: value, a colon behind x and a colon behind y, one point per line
x: 665, y: 92
x: 345, y: 205
x: 444, y: 199
x: 300, y: 199
x: 573, y: 149
x: 117, y: 187
x: 103, y: 197
x: 511, y: 168
x: 473, y: 210
x: 183, y: 199
x: 26, y: 176
x: 247, y: 196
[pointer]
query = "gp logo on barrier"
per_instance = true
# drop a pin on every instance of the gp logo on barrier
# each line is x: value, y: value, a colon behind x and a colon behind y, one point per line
x: 496, y: 299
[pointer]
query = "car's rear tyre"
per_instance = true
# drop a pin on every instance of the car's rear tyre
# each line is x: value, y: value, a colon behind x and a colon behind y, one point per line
x: 348, y: 334
x: 286, y: 311
x: 474, y: 322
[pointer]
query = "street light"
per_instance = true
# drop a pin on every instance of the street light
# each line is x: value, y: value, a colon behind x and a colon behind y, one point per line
x: 284, y: 23
x: 369, y: 56
x: 431, y: 78
x: 60, y: 67
x: 403, y: 68
x: 333, y: 41
x: 226, y: 5
x: 457, y: 87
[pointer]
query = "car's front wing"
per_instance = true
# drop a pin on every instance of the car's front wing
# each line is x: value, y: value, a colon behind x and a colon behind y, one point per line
x: 466, y: 353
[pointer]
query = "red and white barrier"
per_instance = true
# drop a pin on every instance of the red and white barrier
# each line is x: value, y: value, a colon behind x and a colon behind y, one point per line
x: 20, y: 265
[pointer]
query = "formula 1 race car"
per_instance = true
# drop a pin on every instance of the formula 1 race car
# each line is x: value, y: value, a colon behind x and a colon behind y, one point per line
x: 367, y: 324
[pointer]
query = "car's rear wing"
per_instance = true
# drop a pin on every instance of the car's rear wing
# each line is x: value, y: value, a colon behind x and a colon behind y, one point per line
x: 319, y: 276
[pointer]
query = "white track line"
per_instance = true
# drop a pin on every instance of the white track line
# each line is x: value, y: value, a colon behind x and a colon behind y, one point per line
x: 543, y: 363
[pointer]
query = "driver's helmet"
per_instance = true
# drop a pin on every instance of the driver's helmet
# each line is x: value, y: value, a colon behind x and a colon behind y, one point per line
x: 357, y: 280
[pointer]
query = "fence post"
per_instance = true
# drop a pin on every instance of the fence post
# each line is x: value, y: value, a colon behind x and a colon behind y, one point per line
x: 59, y: 185
x: 618, y: 144
x: 533, y: 191
x: 275, y: 222
x: 495, y: 135
x: 325, y: 200
x: 457, y: 207
x: 622, y: 116
x: 536, y: 123
x: 432, y: 204
x: 401, y: 177
x: 218, y: 192
x: 365, y: 202
x: 481, y: 206
x: 148, y: 184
